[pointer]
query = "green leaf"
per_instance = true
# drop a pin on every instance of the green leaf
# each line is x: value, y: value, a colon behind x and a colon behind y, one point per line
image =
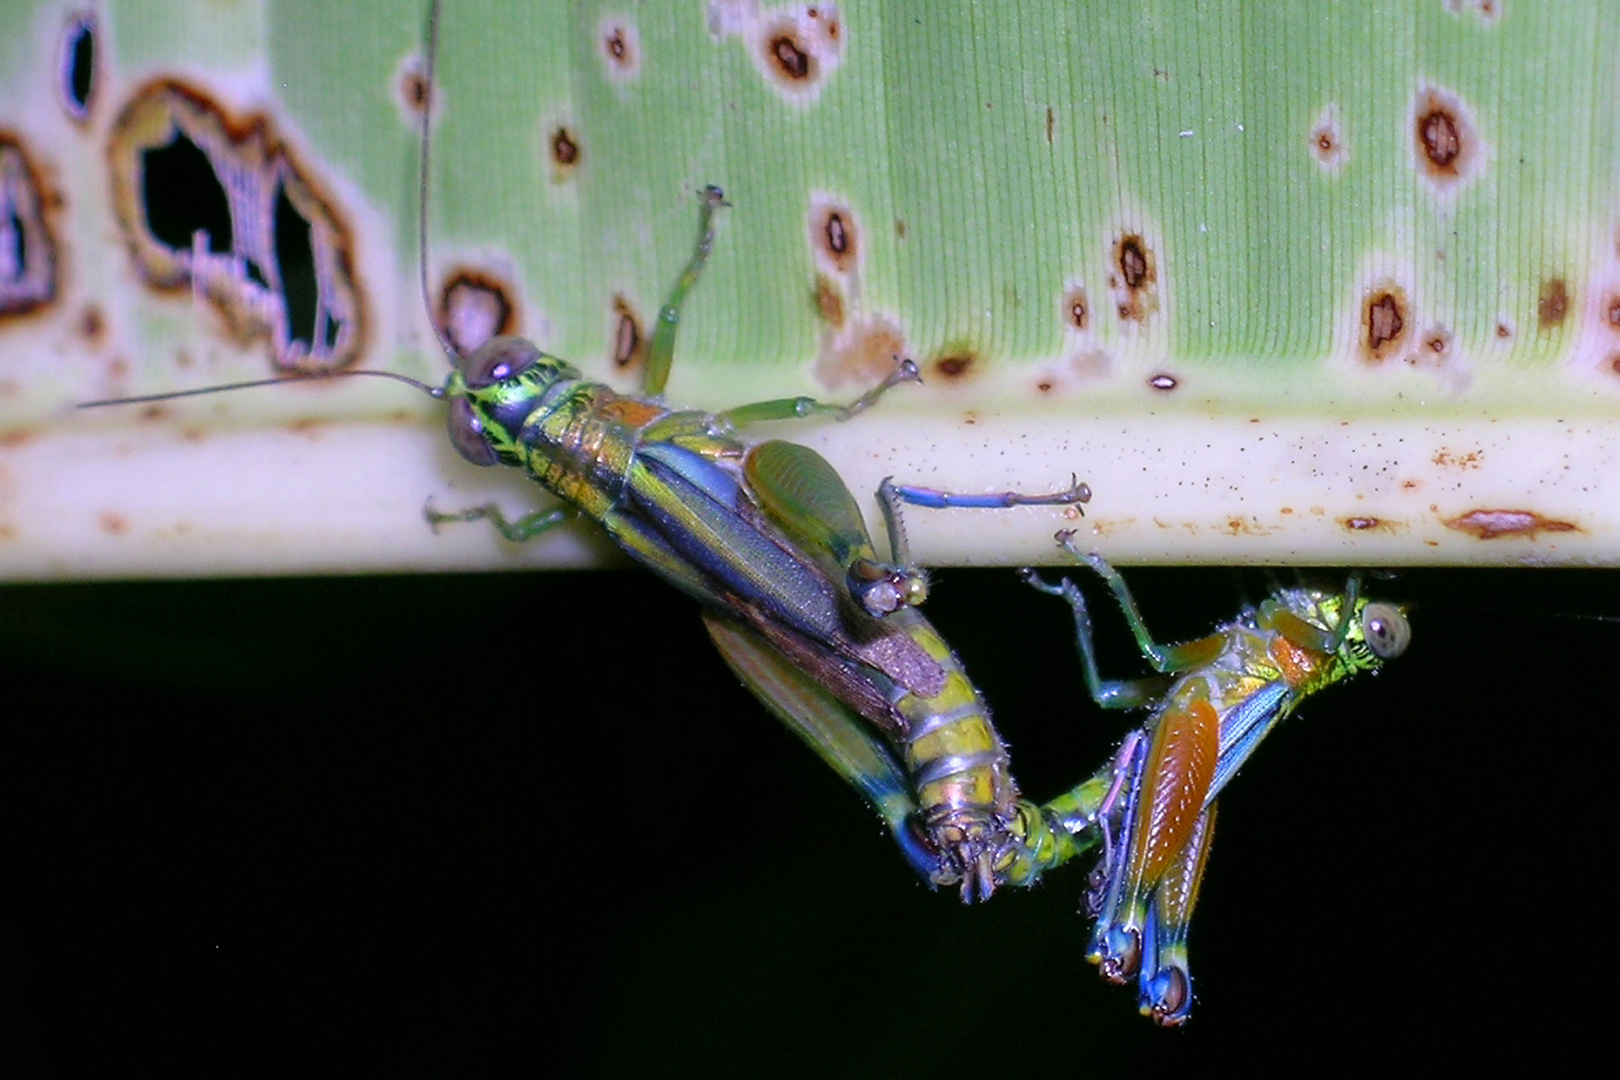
x: 1282, y: 282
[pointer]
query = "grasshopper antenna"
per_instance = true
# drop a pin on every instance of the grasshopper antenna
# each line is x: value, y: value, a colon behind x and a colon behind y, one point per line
x: 422, y: 184
x: 314, y: 376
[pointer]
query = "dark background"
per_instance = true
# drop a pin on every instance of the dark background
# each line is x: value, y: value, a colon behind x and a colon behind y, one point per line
x: 554, y: 831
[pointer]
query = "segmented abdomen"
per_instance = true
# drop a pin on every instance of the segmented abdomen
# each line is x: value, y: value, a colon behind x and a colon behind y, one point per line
x: 966, y: 797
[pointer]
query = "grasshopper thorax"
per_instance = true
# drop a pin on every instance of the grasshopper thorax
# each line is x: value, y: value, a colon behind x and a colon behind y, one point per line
x: 493, y: 390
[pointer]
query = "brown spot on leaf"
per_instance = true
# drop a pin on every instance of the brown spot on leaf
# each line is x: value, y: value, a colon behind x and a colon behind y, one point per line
x: 474, y: 306
x: 1448, y: 145
x: 1611, y: 311
x: 788, y: 56
x: 955, y: 366
x: 1134, y: 264
x: 1493, y: 524
x: 1553, y: 304
x: 864, y: 352
x: 413, y: 88
x: 619, y: 45
x: 1440, y: 139
x: 629, y: 342
x: 1327, y: 140
x: 1164, y: 382
x: 829, y: 302
x: 92, y: 326
x: 1133, y: 277
x: 114, y: 524
x: 565, y: 153
x: 835, y: 236
x: 1076, y: 309
x: 1384, y: 323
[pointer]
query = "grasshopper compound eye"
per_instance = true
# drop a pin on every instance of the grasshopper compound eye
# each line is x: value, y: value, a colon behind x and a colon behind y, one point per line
x: 467, y: 433
x: 1386, y: 630
x: 496, y: 360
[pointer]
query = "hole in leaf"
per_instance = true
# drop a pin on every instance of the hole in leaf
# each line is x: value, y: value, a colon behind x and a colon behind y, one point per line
x: 182, y: 196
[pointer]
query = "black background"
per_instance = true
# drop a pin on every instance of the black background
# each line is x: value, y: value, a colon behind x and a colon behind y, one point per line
x: 307, y: 826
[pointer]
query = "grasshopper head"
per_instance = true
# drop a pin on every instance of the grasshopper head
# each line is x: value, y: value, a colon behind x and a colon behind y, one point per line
x: 1376, y: 631
x: 491, y: 392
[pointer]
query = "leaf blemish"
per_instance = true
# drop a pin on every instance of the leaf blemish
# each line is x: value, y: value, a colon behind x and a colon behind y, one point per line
x: 1133, y: 278
x: 862, y: 350
x: 1492, y: 524
x: 1384, y: 323
x: 1327, y: 143
x: 794, y: 48
x: 28, y: 248
x: 789, y: 57
x: 1447, y: 145
x: 1553, y: 303
x: 565, y: 153
x: 78, y: 66
x: 955, y: 366
x: 1076, y: 309
x: 273, y: 255
x: 834, y: 235
x: 473, y: 307
x: 413, y: 88
x: 618, y: 43
x: 629, y: 341
x: 829, y: 302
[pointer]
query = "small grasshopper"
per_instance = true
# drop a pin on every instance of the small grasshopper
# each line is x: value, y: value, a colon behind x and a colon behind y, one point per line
x: 1213, y: 700
x: 768, y: 538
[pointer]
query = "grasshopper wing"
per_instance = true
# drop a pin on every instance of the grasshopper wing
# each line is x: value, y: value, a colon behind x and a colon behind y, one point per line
x: 831, y: 728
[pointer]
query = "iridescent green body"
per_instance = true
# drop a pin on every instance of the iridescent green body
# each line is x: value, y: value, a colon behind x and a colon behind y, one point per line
x: 1213, y: 702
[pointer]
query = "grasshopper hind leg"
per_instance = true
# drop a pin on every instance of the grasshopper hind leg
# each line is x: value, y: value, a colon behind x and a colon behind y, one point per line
x: 1165, y: 984
x: 805, y: 496
x: 892, y: 496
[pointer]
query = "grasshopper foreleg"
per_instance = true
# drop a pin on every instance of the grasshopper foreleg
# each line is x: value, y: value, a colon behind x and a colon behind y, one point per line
x: 1167, y: 659
x: 524, y: 528
x: 1108, y: 693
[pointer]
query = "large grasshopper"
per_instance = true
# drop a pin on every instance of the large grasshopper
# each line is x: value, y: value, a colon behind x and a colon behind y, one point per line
x: 1213, y: 700
x: 768, y: 538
